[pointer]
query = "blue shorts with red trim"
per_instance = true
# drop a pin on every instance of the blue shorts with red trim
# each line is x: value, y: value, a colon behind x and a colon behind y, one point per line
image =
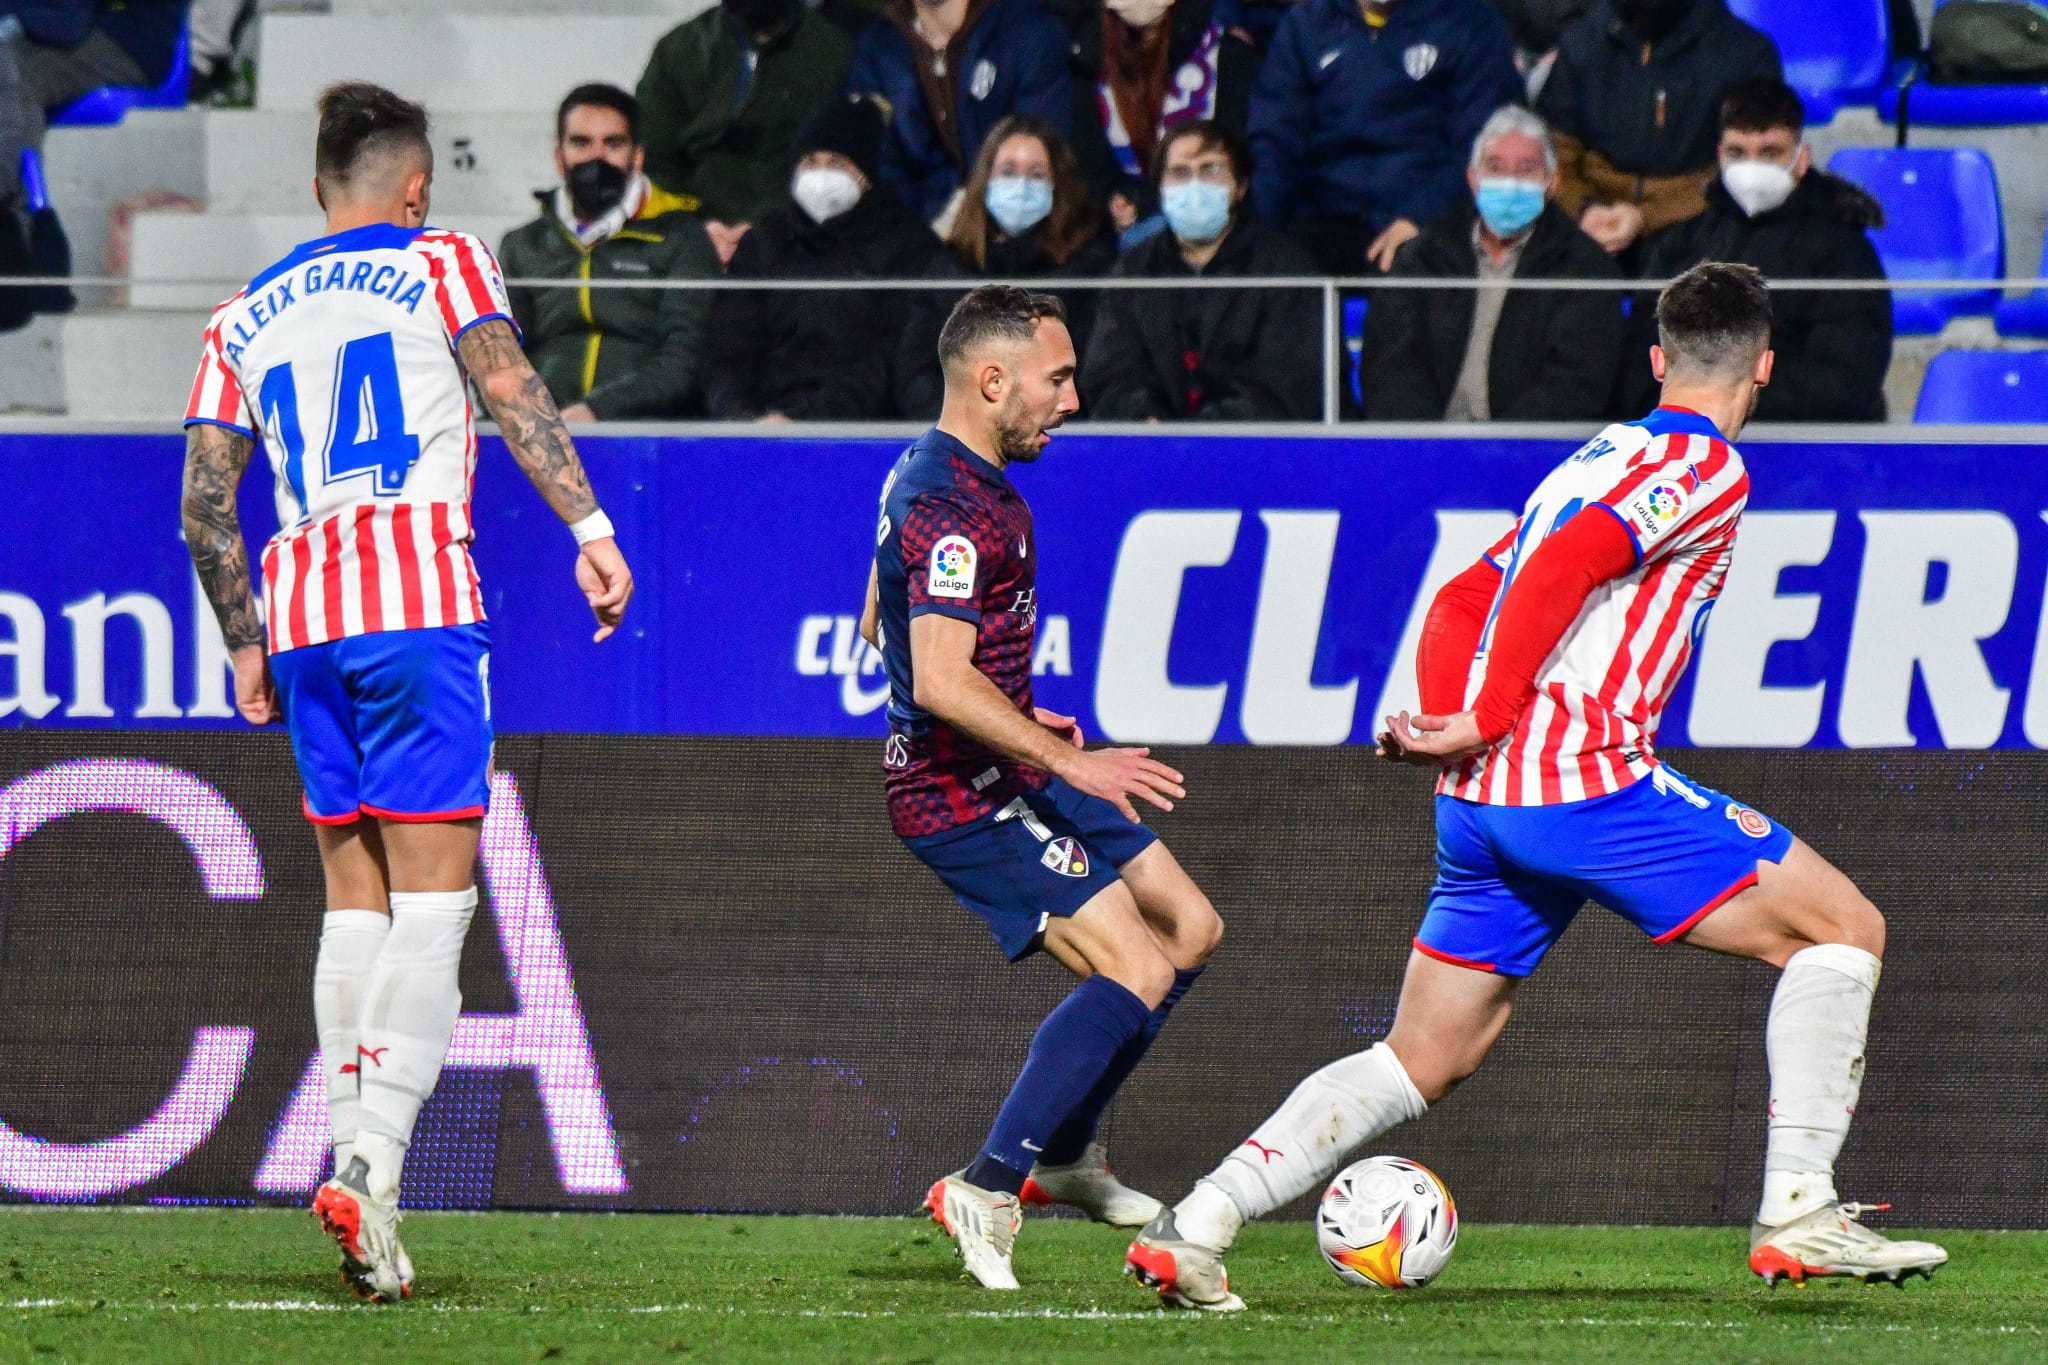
x: 395, y: 724
x: 1039, y: 858
x: 1663, y: 853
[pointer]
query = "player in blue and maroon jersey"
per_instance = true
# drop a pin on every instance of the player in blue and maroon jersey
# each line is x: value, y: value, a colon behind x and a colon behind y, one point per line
x: 1033, y: 832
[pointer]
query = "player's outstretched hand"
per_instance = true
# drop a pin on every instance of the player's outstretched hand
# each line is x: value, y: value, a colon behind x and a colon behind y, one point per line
x: 606, y: 582
x: 1117, y: 775
x: 1066, y: 727
x: 255, y: 693
x: 1431, y: 741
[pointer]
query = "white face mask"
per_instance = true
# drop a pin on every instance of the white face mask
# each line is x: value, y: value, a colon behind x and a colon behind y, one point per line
x: 1138, y: 13
x: 824, y: 192
x: 1757, y: 186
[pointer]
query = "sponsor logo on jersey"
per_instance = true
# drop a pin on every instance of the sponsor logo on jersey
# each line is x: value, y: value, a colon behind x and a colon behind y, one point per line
x: 952, y: 568
x: 1751, y: 822
x: 1419, y: 60
x: 1065, y: 856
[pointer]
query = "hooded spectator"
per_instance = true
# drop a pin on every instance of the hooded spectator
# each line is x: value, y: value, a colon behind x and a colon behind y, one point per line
x: 1160, y: 355
x: 1496, y: 353
x: 839, y: 355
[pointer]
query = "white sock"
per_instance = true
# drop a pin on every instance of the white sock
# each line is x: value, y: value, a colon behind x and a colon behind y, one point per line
x: 1819, y: 1016
x: 408, y: 1018
x: 349, y: 942
x: 1306, y: 1141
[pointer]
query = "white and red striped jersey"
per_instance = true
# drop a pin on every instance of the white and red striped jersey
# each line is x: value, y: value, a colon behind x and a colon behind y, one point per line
x: 341, y: 359
x: 1679, y: 489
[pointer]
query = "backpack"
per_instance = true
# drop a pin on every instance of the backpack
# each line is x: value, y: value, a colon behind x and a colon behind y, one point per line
x: 1996, y: 42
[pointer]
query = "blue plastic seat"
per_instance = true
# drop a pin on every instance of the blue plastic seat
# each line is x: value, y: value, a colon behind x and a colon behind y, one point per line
x: 1962, y: 106
x: 1985, y: 386
x: 1354, y: 344
x: 2027, y: 315
x: 1942, y: 221
x: 1836, y: 52
x: 111, y: 103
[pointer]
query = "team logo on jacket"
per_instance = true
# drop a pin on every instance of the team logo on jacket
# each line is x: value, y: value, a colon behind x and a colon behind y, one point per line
x: 1419, y: 60
x: 1750, y: 822
x: 1065, y: 856
x: 952, y: 568
x: 983, y: 79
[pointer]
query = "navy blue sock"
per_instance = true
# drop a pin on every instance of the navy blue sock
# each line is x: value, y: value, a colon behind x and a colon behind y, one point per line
x: 1079, y: 1041
x: 1074, y: 1134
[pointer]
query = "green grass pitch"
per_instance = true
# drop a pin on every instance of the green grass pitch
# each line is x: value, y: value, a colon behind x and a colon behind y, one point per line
x: 234, y: 1285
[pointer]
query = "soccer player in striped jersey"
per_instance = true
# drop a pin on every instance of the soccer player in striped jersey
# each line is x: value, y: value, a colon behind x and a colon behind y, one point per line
x: 349, y: 360
x: 1544, y: 670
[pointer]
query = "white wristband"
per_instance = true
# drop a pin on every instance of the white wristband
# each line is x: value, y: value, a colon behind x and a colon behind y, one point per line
x: 596, y: 526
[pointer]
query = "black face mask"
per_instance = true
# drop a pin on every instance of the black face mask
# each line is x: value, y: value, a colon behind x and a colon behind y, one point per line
x: 763, y: 18
x: 1653, y: 19
x: 595, y: 188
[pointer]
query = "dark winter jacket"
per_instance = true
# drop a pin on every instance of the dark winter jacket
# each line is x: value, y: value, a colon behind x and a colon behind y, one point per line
x: 846, y: 355
x: 1013, y: 61
x: 1221, y: 354
x: 726, y: 135
x: 1355, y: 122
x: 1638, y: 121
x: 147, y: 30
x: 1833, y: 348
x: 625, y: 352
x: 1537, y: 24
x: 1553, y: 354
x: 1018, y: 258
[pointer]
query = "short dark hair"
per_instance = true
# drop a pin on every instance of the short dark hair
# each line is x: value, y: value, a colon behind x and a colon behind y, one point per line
x: 1759, y: 105
x: 994, y: 310
x: 359, y: 120
x: 1214, y: 136
x: 1714, y: 320
x: 598, y: 95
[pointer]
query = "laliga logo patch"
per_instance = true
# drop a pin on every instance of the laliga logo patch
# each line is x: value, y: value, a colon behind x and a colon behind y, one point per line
x: 1419, y: 60
x: 1065, y: 856
x: 1658, y: 508
x: 1750, y: 822
x: 952, y: 568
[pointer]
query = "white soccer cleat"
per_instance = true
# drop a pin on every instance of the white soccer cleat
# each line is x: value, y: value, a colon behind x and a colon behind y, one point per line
x: 1186, y: 1274
x: 356, y: 1274
x: 1090, y: 1186
x: 1830, y: 1242
x: 983, y: 1224
x: 366, y: 1229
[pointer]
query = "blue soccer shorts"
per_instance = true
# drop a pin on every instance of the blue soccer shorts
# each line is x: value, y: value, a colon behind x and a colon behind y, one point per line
x: 1663, y: 853
x: 1039, y: 858
x: 395, y: 725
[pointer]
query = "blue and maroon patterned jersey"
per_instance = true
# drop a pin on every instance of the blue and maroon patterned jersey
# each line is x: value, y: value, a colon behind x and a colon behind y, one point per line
x: 955, y: 538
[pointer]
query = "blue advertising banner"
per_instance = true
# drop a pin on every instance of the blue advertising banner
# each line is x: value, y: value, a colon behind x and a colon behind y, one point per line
x: 1192, y: 588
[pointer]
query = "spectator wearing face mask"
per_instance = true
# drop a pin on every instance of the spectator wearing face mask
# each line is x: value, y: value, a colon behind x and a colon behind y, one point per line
x: 1496, y: 353
x: 1141, y: 69
x: 1362, y: 116
x: 611, y: 353
x: 1635, y: 98
x: 842, y: 355
x: 949, y: 70
x: 1168, y: 355
x: 724, y: 95
x: 1773, y: 209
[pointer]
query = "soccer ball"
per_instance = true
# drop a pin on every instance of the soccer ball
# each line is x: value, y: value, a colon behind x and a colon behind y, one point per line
x: 1387, y: 1222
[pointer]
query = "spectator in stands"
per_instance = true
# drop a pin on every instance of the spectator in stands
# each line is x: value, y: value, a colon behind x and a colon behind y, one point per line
x: 1141, y: 69
x: 949, y: 69
x: 611, y: 353
x: 1496, y: 353
x: 1027, y: 215
x: 1634, y: 98
x: 1773, y: 209
x: 724, y: 95
x: 845, y: 355
x: 1225, y: 354
x: 1362, y: 117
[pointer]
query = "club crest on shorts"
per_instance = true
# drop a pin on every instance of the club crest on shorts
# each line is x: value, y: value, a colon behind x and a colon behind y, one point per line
x: 1065, y: 856
x: 1754, y: 823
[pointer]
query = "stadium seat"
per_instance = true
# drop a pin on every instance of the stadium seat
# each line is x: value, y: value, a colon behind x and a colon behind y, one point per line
x: 1836, y: 52
x: 1354, y: 345
x: 1942, y: 221
x: 111, y: 103
x: 1960, y: 106
x: 2027, y: 315
x: 1985, y: 386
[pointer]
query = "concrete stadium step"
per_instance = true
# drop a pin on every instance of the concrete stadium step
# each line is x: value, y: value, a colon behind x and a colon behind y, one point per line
x: 130, y: 364
x: 32, y: 367
x: 454, y: 61
x: 219, y: 253
x: 261, y: 160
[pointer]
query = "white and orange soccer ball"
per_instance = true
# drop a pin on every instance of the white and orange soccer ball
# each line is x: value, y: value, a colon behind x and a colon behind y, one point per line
x: 1387, y: 1223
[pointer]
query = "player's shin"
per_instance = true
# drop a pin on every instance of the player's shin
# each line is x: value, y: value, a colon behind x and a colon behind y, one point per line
x: 1077, y: 1130
x: 1819, y: 1016
x: 349, y: 943
x: 1328, y: 1117
x: 408, y: 1019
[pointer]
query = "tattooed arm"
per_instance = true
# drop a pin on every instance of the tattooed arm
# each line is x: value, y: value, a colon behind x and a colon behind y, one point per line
x: 540, y: 445
x: 214, y: 460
